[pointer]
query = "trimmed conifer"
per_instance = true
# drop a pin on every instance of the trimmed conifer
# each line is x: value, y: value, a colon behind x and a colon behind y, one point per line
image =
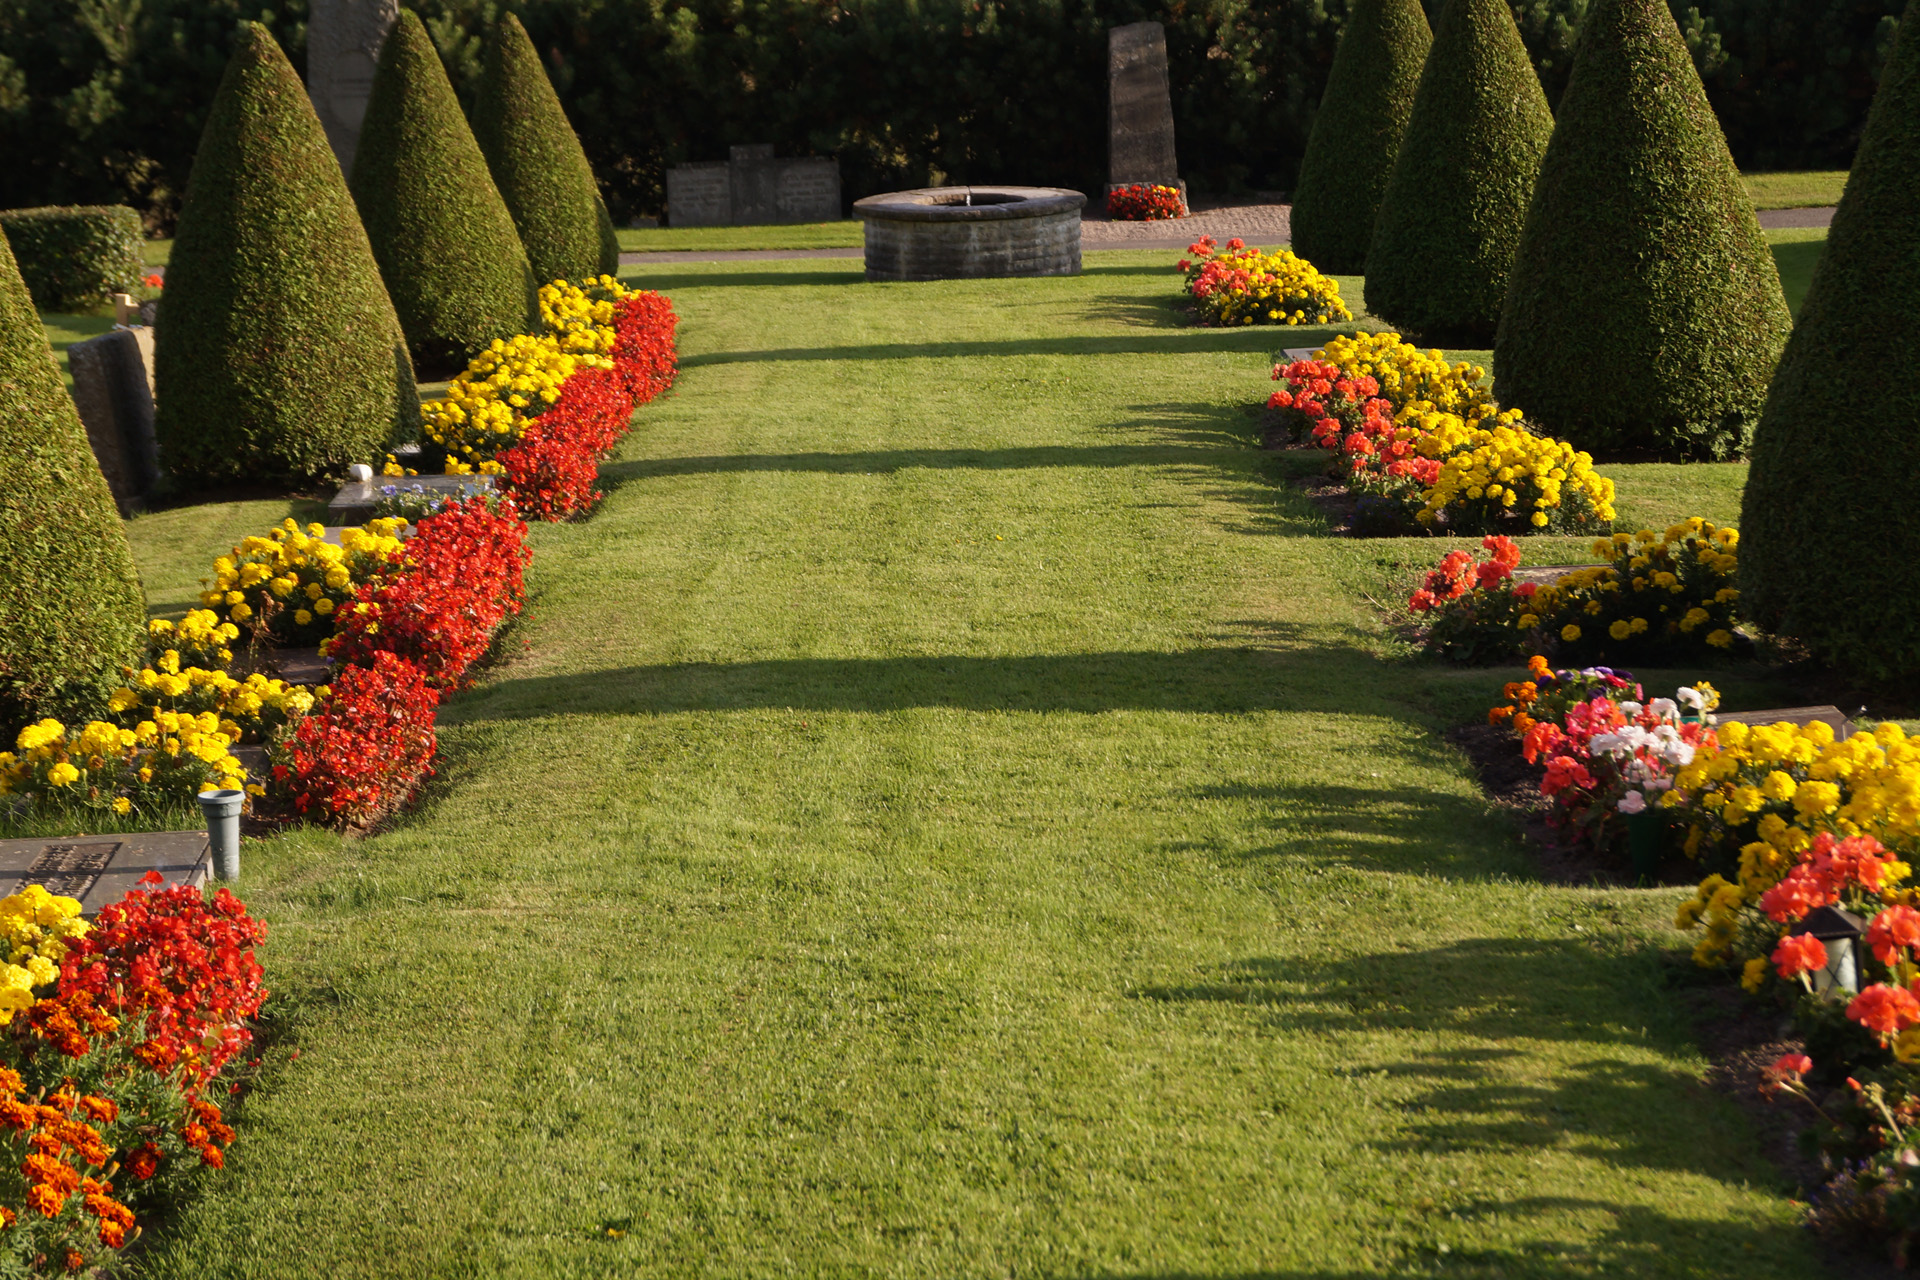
x: 71, y: 607
x: 538, y: 164
x: 445, y: 242
x: 279, y: 357
x: 1357, y: 132
x: 1450, y: 220
x: 1828, y: 543
x: 1644, y: 311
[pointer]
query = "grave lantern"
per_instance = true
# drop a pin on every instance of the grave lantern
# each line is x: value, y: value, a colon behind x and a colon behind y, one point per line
x: 1839, y: 932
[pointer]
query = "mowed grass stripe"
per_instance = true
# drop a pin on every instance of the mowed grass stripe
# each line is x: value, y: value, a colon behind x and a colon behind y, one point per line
x: 834, y: 887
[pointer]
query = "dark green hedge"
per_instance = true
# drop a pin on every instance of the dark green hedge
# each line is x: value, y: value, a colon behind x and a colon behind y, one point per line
x: 73, y: 258
x: 99, y: 110
x: 278, y: 356
x: 1643, y: 313
x: 446, y: 245
x: 537, y: 163
x: 1828, y: 535
x: 1450, y: 222
x: 71, y: 609
x: 1357, y: 133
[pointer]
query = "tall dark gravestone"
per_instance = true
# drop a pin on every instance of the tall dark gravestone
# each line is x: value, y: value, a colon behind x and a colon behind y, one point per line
x: 1139, y: 108
x: 343, y: 46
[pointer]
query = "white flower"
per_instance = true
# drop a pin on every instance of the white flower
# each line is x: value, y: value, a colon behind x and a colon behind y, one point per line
x: 1663, y: 707
x: 1692, y: 697
x: 1604, y: 744
x: 1629, y: 709
x: 1633, y: 802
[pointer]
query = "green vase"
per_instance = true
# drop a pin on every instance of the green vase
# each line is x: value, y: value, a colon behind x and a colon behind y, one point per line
x: 1647, y: 841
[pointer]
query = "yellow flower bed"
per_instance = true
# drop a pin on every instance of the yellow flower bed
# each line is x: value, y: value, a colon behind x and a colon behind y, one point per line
x: 1245, y: 286
x: 249, y: 708
x: 1487, y: 473
x: 1415, y: 382
x: 200, y: 639
x: 487, y: 407
x: 1753, y: 805
x: 289, y: 583
x: 163, y: 760
x: 1674, y: 589
x: 36, y: 926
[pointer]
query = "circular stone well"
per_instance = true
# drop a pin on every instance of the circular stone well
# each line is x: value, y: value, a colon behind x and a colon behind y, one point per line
x: 958, y: 233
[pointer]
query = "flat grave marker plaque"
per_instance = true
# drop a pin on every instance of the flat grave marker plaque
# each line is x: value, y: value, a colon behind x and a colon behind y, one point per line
x: 99, y: 870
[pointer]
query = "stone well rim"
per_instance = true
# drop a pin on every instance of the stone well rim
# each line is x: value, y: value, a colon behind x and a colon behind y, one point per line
x: 919, y: 204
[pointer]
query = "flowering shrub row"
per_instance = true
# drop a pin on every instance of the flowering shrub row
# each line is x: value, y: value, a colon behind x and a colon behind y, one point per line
x: 284, y: 587
x: 1145, y: 202
x: 539, y: 411
x: 110, y: 1039
x: 1658, y: 596
x: 100, y: 771
x: 1239, y: 285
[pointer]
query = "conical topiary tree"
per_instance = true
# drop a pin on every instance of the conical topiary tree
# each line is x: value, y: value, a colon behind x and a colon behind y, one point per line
x: 71, y: 608
x: 538, y: 165
x: 1356, y: 133
x: 1828, y: 543
x: 1644, y: 312
x: 279, y: 356
x: 445, y: 242
x: 1450, y: 221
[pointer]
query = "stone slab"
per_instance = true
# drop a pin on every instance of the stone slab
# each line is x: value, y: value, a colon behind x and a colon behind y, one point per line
x: 113, y: 391
x: 753, y: 188
x: 355, y: 502
x: 1843, y: 728
x: 343, y: 46
x: 99, y: 870
x: 1139, y: 106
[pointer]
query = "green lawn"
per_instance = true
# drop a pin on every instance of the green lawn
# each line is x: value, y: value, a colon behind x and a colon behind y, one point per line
x: 805, y: 235
x: 956, y: 816
x: 1795, y: 190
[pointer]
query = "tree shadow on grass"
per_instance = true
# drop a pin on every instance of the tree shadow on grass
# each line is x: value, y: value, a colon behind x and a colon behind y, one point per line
x: 1222, y: 680
x: 890, y: 461
x: 667, y: 281
x: 1634, y: 1241
x: 1170, y: 341
x: 1622, y: 1104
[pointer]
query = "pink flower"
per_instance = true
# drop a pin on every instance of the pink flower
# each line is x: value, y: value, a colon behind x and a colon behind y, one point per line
x: 1798, y: 954
x: 1887, y: 1010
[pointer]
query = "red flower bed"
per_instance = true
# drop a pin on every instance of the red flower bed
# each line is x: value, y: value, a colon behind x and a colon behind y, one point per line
x: 551, y: 472
x: 362, y: 751
x: 180, y: 967
x: 456, y: 581
x: 1145, y: 202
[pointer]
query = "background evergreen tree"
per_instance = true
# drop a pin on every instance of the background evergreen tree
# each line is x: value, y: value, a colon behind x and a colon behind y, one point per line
x: 1829, y: 536
x: 1450, y: 221
x: 537, y: 163
x: 71, y: 609
x: 443, y: 237
x: 279, y: 356
x: 1357, y: 133
x: 1644, y: 311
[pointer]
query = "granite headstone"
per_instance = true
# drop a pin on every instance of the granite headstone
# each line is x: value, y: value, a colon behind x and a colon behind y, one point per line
x: 99, y: 870
x: 343, y: 47
x: 1139, y: 107
x: 113, y: 390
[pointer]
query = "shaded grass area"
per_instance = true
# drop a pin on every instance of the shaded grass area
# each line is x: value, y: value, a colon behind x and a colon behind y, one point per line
x: 1801, y: 190
x: 804, y: 235
x: 957, y: 816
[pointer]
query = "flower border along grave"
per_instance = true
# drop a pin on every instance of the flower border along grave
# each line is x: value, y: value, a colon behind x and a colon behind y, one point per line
x: 1805, y: 840
x: 1424, y: 448
x: 403, y: 617
x: 1237, y: 285
x: 1145, y: 202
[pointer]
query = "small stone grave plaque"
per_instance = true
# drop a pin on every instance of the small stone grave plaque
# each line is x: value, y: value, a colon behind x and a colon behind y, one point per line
x: 1299, y: 353
x: 355, y: 502
x: 1139, y: 107
x: 699, y: 195
x: 343, y: 47
x: 99, y: 870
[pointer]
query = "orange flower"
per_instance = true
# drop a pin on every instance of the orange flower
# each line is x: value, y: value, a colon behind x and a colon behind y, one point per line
x: 1537, y: 665
x: 44, y: 1200
x: 112, y: 1234
x: 1522, y: 722
x: 97, y: 1108
x: 74, y: 1260
x: 145, y: 1162
x: 211, y: 1156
